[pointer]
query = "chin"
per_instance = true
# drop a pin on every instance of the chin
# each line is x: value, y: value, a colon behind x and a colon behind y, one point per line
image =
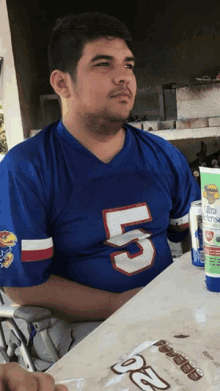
x: 117, y: 121
x: 119, y: 117
x: 112, y: 116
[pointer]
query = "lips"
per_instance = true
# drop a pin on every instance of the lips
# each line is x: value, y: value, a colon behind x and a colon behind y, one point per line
x: 122, y: 94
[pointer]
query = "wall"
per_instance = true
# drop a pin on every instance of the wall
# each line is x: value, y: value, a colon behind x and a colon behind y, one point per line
x: 25, y: 63
x: 198, y: 101
x: 147, y: 102
x: 177, y: 40
x: 8, y: 83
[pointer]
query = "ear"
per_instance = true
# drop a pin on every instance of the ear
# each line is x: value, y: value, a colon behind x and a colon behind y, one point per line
x: 60, y: 81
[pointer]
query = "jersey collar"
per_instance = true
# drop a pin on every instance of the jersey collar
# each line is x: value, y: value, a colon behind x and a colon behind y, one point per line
x: 115, y: 162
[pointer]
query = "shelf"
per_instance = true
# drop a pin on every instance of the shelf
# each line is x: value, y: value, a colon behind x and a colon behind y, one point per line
x: 180, y: 134
x: 191, y: 83
x: 183, y: 134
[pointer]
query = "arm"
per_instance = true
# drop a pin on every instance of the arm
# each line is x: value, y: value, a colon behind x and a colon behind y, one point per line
x: 70, y: 300
x: 185, y: 241
x: 14, y: 378
x: 185, y: 244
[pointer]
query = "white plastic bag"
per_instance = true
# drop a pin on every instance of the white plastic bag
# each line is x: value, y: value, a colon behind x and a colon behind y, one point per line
x: 177, y: 364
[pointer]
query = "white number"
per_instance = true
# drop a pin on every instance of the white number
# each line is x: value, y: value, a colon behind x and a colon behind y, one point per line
x: 115, y: 221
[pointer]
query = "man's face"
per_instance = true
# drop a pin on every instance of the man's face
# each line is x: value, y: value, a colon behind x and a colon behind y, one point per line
x: 104, y: 71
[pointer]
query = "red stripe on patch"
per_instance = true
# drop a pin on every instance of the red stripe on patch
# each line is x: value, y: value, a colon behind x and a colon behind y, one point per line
x: 37, y: 255
x: 184, y: 225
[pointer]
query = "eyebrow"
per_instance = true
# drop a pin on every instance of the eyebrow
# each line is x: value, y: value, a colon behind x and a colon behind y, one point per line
x: 105, y: 57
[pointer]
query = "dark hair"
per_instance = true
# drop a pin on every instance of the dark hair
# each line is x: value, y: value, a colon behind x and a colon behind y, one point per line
x: 72, y: 32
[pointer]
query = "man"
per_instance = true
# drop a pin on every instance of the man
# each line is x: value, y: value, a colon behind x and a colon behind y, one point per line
x: 14, y: 378
x: 87, y: 204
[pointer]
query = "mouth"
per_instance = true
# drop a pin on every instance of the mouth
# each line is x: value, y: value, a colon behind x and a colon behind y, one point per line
x: 122, y: 94
x: 122, y: 97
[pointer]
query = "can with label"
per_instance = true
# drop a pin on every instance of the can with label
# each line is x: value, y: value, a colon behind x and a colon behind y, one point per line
x: 196, y: 234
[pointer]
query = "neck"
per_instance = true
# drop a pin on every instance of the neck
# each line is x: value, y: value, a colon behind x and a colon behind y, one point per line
x: 103, y: 139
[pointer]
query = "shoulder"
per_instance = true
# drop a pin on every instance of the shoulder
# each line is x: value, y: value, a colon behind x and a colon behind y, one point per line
x: 161, y: 148
x: 31, y: 152
x: 151, y: 139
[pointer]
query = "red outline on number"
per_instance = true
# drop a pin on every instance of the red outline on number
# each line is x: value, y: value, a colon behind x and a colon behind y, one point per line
x: 105, y: 211
x: 112, y: 256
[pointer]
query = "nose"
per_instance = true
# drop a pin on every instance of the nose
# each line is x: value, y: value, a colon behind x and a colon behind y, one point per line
x: 124, y: 75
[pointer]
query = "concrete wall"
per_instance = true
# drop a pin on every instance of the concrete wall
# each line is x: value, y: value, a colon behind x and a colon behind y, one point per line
x: 198, y: 101
x: 8, y: 83
x: 147, y: 102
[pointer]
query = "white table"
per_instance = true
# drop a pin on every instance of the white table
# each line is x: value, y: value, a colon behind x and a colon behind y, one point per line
x: 176, y: 302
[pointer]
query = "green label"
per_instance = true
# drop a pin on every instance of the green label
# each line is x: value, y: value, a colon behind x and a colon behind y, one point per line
x: 207, y: 178
x: 212, y: 264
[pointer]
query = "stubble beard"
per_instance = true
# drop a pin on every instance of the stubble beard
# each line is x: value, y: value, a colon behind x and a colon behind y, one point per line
x: 103, y: 124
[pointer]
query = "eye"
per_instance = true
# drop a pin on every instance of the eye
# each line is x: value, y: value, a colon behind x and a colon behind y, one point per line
x: 102, y: 63
x: 107, y: 64
x: 130, y: 66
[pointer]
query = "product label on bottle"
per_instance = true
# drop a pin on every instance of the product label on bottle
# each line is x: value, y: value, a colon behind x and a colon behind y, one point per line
x: 210, y: 185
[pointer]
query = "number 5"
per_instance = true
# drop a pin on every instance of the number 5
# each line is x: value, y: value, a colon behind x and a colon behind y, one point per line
x: 115, y: 221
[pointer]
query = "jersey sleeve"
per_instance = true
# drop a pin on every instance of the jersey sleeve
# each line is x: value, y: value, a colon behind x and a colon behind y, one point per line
x: 26, y: 246
x: 185, y: 190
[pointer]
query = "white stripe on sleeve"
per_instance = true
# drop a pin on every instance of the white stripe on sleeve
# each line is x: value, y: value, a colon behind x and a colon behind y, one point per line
x: 180, y: 220
x: 36, y: 244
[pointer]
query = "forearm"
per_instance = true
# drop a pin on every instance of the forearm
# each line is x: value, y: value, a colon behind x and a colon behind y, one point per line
x: 185, y: 244
x: 67, y: 299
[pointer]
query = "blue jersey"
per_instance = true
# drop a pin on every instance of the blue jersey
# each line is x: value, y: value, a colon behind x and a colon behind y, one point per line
x: 104, y: 225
